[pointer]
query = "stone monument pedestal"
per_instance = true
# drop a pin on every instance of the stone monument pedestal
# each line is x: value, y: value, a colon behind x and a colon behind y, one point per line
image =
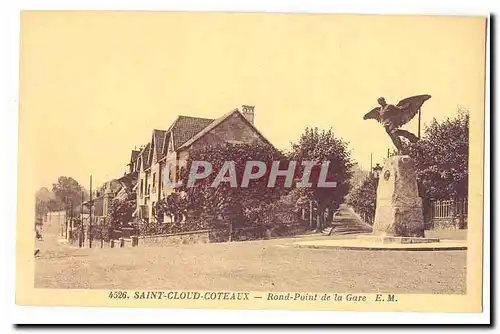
x: 399, y: 208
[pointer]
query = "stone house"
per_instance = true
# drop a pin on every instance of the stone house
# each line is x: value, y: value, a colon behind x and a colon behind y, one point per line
x: 170, y: 149
x: 103, y: 196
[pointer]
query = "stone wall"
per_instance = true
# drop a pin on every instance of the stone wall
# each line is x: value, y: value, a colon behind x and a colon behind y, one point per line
x: 195, y: 237
x: 450, y: 234
x: 218, y: 235
x: 443, y: 224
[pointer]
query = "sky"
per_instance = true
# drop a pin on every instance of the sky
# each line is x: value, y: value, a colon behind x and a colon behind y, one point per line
x: 93, y: 85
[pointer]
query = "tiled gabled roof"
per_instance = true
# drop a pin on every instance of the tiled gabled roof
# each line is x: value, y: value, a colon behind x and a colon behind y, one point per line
x: 165, y: 144
x: 185, y: 127
x: 134, y: 156
x: 159, y: 137
x: 185, y: 131
x: 145, y: 155
x: 129, y: 180
x: 218, y: 121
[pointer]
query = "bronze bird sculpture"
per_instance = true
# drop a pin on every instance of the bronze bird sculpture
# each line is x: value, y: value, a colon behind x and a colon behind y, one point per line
x: 395, y: 116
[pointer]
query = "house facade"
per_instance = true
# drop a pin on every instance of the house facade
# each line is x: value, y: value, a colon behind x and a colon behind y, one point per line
x: 170, y: 149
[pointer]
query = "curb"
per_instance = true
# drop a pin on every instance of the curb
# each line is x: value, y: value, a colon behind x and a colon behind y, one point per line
x: 368, y: 248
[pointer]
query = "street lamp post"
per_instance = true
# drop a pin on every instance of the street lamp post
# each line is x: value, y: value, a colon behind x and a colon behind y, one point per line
x: 377, y: 170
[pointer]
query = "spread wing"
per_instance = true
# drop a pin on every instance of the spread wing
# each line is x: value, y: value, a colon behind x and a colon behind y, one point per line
x: 409, y: 108
x: 373, y: 114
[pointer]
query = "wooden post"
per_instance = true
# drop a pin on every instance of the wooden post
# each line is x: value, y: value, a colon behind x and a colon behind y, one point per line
x: 102, y: 227
x: 90, y: 214
x: 310, y: 214
x: 371, y: 163
x: 66, y: 219
x: 461, y: 219
x: 71, y: 219
x: 317, y: 219
x: 419, y: 120
x: 80, y: 237
x: 453, y: 212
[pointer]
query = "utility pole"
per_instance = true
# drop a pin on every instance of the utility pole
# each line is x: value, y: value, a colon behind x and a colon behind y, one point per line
x: 80, y: 239
x: 66, y: 217
x: 71, y: 215
x: 103, y: 224
x: 90, y: 214
x: 102, y: 241
x: 310, y: 214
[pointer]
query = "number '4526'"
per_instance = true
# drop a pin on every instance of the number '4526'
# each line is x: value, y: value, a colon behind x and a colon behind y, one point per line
x: 118, y: 295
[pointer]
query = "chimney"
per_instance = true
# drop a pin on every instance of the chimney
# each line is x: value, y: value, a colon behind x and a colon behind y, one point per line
x: 248, y: 112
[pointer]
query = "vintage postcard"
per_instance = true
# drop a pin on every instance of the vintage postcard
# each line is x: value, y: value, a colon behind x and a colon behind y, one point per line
x: 251, y: 161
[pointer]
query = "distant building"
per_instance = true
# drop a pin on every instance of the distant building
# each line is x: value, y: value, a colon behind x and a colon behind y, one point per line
x: 102, y: 197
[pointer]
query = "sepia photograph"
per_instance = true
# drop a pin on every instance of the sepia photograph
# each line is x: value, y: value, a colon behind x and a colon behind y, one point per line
x: 251, y: 160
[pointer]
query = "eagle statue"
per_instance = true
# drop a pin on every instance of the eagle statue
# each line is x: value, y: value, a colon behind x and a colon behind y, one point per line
x: 395, y: 116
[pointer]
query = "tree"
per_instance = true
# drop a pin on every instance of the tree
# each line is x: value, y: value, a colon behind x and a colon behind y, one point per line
x: 358, y: 176
x: 44, y: 195
x: 441, y: 158
x: 441, y: 161
x: 67, y: 190
x: 54, y: 205
x: 40, y: 208
x: 315, y: 145
x: 175, y: 206
x: 119, y: 213
x: 363, y: 198
x: 42, y: 198
x: 226, y: 205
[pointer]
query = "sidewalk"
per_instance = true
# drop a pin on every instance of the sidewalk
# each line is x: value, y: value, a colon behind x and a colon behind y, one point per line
x: 357, y: 244
x: 54, y: 245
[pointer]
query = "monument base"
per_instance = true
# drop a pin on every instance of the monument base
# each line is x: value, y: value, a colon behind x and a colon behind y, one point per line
x: 399, y: 208
x: 385, y: 239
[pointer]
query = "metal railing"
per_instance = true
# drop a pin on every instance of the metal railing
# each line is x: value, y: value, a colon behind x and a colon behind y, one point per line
x: 449, y: 212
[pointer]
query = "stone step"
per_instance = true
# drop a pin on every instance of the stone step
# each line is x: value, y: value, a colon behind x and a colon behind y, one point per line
x: 347, y: 222
x: 350, y: 229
